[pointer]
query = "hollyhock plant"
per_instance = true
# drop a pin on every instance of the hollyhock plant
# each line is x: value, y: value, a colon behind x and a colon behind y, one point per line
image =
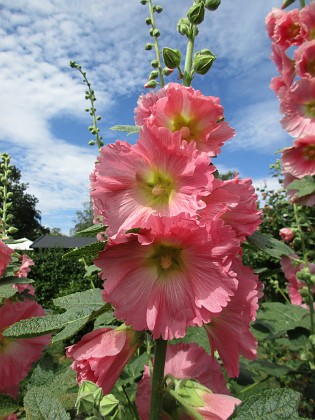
x: 305, y: 59
x: 229, y: 332
x: 299, y: 160
x: 154, y: 177
x: 169, y: 276
x: 235, y: 202
x: 197, y: 117
x: 5, y: 256
x: 101, y: 355
x: 298, y: 106
x: 17, y: 355
x: 189, y: 361
x: 287, y: 234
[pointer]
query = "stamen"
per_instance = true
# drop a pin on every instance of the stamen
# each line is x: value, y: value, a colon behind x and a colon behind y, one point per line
x: 166, y: 262
x: 185, y: 132
x: 158, y: 190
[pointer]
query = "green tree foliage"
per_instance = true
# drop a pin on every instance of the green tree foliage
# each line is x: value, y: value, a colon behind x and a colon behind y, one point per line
x: 84, y: 218
x: 26, y: 217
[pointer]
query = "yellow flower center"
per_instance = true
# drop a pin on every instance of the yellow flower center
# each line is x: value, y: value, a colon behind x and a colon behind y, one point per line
x: 166, y: 262
x: 156, y: 188
x: 187, y: 126
x: 309, y: 152
x: 166, y: 257
x: 309, y: 109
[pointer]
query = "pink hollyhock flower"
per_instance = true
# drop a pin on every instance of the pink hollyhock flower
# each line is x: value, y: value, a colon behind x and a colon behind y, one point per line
x: 188, y: 361
x: 299, y: 160
x: 18, y: 354
x: 286, y: 28
x: 286, y: 234
x: 196, y: 117
x: 307, y: 21
x: 305, y: 60
x: 307, y: 200
x: 284, y: 64
x: 5, y: 256
x: 229, y: 331
x: 23, y: 271
x: 162, y: 178
x: 101, y: 355
x: 11, y: 417
x: 271, y: 20
x: 278, y: 85
x: 235, y: 202
x: 172, y: 275
x: 290, y: 269
x: 145, y: 104
x: 298, y: 105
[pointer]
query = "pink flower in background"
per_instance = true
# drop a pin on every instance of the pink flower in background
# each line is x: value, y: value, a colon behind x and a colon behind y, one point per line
x: 5, y: 256
x: 18, y: 354
x: 196, y: 117
x: 159, y: 176
x: 305, y: 60
x: 298, y: 106
x: 229, y: 331
x: 25, y: 267
x: 299, y: 160
x: 235, y: 202
x: 146, y: 102
x: 278, y: 85
x: 271, y: 20
x: 284, y: 64
x: 286, y: 234
x: 190, y: 361
x: 101, y: 355
x: 290, y: 269
x: 307, y: 21
x: 285, y: 28
x: 170, y: 276
x: 307, y: 200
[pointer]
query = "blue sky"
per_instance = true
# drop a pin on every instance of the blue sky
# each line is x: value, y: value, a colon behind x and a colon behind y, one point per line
x: 42, y: 118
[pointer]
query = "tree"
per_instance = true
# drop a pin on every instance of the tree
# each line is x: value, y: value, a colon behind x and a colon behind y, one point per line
x: 84, y: 218
x: 26, y: 217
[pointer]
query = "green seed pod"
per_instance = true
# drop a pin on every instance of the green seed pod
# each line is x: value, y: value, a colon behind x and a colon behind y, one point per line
x: 203, y: 61
x: 196, y: 13
x: 212, y: 4
x: 172, y: 58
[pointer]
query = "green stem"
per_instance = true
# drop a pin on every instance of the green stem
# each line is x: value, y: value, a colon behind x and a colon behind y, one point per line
x: 253, y: 385
x: 189, y: 410
x: 158, y: 379
x: 130, y: 403
x: 156, y: 44
x: 188, y: 59
x: 302, y: 3
x: 304, y: 250
x: 283, y: 295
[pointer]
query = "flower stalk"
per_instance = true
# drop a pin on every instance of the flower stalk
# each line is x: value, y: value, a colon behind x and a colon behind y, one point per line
x: 158, y: 379
x: 156, y: 43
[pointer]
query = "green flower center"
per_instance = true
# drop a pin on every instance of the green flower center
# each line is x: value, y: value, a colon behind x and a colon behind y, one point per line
x: 309, y: 109
x: 158, y: 188
x: 166, y: 257
x: 309, y: 152
x: 187, y: 126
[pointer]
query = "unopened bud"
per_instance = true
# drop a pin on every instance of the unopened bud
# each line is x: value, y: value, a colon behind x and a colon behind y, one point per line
x: 154, y: 64
x: 203, y: 61
x: 286, y: 3
x: 12, y: 230
x: 91, y: 143
x: 148, y: 46
x: 156, y: 33
x: 154, y: 75
x: 157, y: 9
x: 150, y: 84
x: 148, y: 21
x: 212, y: 4
x: 172, y: 58
x: 167, y: 71
x: 196, y: 13
x: 144, y: 2
x: 183, y: 27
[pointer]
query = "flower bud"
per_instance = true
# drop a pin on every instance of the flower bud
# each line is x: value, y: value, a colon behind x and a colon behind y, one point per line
x: 157, y: 9
x: 286, y: 3
x: 196, y: 13
x: 148, y: 46
x: 150, y: 84
x: 167, y: 71
x: 212, y: 4
x: 203, y: 61
x: 171, y: 57
x: 156, y: 33
x: 91, y: 143
x: 154, y: 64
x: 12, y: 230
x: 183, y: 27
x: 144, y: 2
x: 154, y: 75
x: 304, y: 275
x: 148, y: 21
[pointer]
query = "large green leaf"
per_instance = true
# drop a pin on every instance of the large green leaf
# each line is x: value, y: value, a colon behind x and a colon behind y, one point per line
x: 303, y: 187
x: 86, y: 251
x: 7, y: 291
x: 7, y: 406
x: 92, y: 230
x: 87, y: 298
x: 15, y: 280
x: 279, y: 317
x: 195, y: 335
x: 271, y: 246
x: 272, y: 404
x: 41, y: 405
x: 130, y: 129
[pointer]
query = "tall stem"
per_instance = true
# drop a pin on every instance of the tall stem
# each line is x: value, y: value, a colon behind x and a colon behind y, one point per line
x: 302, y: 3
x: 157, y: 379
x: 156, y: 44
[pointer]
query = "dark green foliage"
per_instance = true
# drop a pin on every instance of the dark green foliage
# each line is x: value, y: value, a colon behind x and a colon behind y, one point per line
x: 84, y: 218
x: 55, y: 276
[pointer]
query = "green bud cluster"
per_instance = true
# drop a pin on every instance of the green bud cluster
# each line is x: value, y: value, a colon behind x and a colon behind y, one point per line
x: 5, y: 195
x: 203, y: 61
x: 90, y: 96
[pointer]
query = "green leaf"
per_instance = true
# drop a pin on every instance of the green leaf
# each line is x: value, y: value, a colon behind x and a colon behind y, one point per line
x: 269, y: 245
x: 87, y: 250
x: 195, y: 335
x: 268, y: 368
x: 279, y: 317
x: 130, y: 129
x: 7, y: 406
x: 7, y: 291
x: 15, y: 280
x: 272, y: 404
x: 41, y: 405
x: 88, y: 297
x: 92, y: 230
x: 303, y: 187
